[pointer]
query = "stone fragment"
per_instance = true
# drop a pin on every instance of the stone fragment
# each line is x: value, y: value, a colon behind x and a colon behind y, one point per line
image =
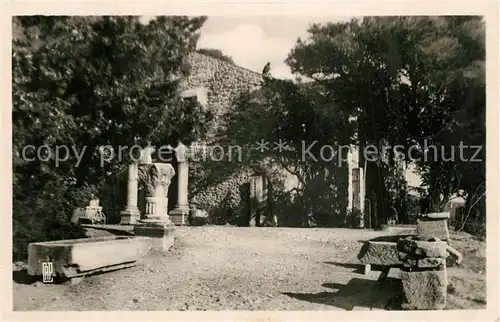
x: 432, y: 228
x: 435, y: 263
x: 161, y: 238
x: 423, y: 249
x: 424, y: 290
x: 431, y: 249
x: 455, y: 254
x: 436, y: 215
x: 379, y: 253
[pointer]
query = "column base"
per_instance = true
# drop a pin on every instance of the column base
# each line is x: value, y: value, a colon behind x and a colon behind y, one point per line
x: 129, y: 216
x: 161, y: 234
x: 179, y: 216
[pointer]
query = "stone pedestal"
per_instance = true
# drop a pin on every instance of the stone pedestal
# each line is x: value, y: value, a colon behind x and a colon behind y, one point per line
x: 433, y: 225
x: 180, y: 213
x: 424, y: 290
x: 179, y: 216
x: 162, y: 236
x: 131, y: 214
x: 156, y: 223
x: 423, y: 273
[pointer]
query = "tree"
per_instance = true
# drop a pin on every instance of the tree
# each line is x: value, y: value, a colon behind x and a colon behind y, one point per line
x: 216, y: 53
x: 85, y: 83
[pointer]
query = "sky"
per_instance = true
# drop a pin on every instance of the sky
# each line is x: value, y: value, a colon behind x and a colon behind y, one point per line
x: 254, y: 41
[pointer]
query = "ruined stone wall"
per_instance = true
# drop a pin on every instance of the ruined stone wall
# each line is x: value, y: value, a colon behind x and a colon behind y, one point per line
x: 215, y: 184
x: 221, y: 80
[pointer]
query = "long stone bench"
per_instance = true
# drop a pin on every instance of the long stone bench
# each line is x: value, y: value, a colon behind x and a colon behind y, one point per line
x: 79, y: 257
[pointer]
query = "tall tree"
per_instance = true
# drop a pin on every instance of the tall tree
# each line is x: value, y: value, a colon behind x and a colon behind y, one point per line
x: 406, y: 80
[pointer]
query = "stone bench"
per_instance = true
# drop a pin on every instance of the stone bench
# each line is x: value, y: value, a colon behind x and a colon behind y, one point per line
x: 79, y: 257
x: 379, y: 253
x: 422, y: 267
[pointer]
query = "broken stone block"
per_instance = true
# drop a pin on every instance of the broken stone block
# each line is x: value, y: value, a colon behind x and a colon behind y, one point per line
x: 455, y: 255
x: 422, y: 248
x: 431, y: 249
x: 432, y: 228
x: 435, y: 263
x: 424, y: 290
x: 379, y: 253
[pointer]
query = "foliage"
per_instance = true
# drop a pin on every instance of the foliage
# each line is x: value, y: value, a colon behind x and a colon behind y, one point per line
x: 216, y: 53
x: 407, y: 81
x: 298, y: 115
x: 88, y: 82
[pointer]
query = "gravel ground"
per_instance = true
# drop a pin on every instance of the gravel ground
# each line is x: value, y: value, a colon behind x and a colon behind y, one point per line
x: 229, y: 268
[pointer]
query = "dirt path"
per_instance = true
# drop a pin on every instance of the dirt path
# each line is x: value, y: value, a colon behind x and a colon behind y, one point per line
x: 228, y: 268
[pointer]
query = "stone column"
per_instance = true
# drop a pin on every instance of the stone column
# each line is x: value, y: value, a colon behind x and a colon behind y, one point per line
x: 131, y: 214
x: 179, y: 214
x: 356, y: 188
x: 156, y: 223
x: 362, y: 190
x: 350, y: 186
x: 255, y: 192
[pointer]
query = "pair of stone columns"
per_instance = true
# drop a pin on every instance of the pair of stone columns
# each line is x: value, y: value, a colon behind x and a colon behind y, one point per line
x: 157, y: 177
